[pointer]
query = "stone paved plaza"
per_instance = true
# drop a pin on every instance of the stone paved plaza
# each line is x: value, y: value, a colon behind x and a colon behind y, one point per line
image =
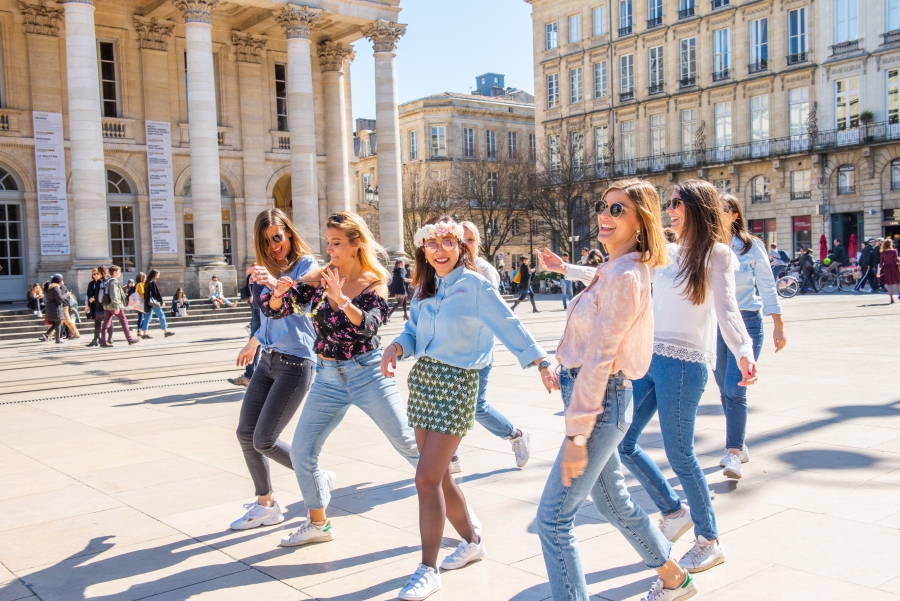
x: 120, y: 471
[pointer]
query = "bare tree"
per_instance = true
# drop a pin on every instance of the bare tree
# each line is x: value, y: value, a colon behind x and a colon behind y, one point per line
x: 427, y: 193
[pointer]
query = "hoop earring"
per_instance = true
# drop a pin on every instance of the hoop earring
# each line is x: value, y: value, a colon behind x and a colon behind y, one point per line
x: 637, y: 237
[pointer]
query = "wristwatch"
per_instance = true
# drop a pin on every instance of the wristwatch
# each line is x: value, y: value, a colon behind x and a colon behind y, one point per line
x: 543, y: 365
x: 578, y: 440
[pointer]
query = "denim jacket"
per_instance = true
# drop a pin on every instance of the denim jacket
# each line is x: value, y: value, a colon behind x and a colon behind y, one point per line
x: 294, y: 335
x: 755, y: 284
x: 458, y: 324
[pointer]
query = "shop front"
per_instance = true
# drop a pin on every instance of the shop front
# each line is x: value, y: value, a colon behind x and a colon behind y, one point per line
x: 891, y: 226
x: 801, y: 227
x: 765, y: 230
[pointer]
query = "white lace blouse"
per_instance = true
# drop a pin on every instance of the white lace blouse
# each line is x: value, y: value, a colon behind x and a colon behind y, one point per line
x: 686, y: 331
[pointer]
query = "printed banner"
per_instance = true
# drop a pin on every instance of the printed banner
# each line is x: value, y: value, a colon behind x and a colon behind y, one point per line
x: 50, y: 164
x: 162, y: 187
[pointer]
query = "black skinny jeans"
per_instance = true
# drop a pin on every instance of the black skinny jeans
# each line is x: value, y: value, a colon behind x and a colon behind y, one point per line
x: 98, y: 325
x: 55, y: 328
x: 279, y: 385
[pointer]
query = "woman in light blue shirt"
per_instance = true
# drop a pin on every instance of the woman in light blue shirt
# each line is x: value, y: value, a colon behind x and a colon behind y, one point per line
x: 755, y: 291
x: 453, y: 319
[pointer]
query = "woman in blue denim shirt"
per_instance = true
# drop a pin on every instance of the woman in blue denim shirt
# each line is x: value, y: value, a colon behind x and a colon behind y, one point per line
x: 453, y: 320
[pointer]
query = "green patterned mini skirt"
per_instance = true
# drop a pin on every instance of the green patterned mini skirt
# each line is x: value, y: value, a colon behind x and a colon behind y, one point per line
x: 442, y: 398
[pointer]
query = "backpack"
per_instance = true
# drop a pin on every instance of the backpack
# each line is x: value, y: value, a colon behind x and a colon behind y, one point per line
x: 784, y: 256
x: 105, y: 298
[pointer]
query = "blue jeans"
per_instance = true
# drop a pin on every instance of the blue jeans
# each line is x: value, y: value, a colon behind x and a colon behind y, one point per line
x: 603, y: 480
x: 675, y: 386
x: 493, y: 421
x: 339, y: 384
x: 728, y: 374
x: 566, y: 286
x: 145, y: 318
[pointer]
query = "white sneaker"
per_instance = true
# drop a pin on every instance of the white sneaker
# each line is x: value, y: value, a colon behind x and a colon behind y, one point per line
x: 421, y: 584
x: 674, y: 527
x: 258, y: 515
x: 331, y: 480
x: 455, y: 465
x: 703, y: 556
x: 309, y: 533
x: 732, y: 467
x: 464, y: 554
x: 744, y: 455
x: 658, y: 593
x: 521, y: 446
x: 476, y: 523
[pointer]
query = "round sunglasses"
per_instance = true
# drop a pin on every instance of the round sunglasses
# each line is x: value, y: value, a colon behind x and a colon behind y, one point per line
x: 615, y: 209
x: 432, y: 245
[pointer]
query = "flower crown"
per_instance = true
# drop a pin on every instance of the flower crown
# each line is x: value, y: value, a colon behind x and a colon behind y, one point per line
x: 441, y: 228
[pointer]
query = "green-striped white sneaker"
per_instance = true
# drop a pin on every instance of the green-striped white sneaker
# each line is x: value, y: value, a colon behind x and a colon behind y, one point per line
x: 683, y: 592
x: 309, y: 533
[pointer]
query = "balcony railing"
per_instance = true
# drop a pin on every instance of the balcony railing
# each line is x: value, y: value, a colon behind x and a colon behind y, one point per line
x: 281, y: 141
x: 623, y: 31
x: 891, y: 37
x: 759, y: 66
x: 656, y: 88
x: 759, y: 149
x: 655, y: 22
x: 846, y: 190
x: 799, y: 57
x: 625, y: 96
x: 760, y: 198
x: 801, y: 195
x: 687, y: 82
x: 895, y: 185
x: 845, y: 47
x: 720, y: 4
x: 117, y: 129
x: 686, y: 13
x: 721, y: 75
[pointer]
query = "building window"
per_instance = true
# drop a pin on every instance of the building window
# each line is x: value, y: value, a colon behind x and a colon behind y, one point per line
x: 797, y: 36
x: 759, y: 189
x: 577, y: 151
x: 553, y: 146
x: 685, y: 9
x: 801, y: 184
x: 625, y: 17
x: 846, y: 20
x: 721, y: 54
x: 493, y: 180
x: 116, y: 184
x: 628, y: 148
x: 764, y: 229
x: 469, y: 143
x: 798, y: 113
x: 759, y: 125
x: 438, y: 141
x: 723, y: 186
x: 654, y: 12
x: 109, y: 89
x: 575, y: 94
x: 657, y: 136
x: 689, y: 119
x: 847, y: 180
x: 847, y: 103
x: 601, y: 89
x: 656, y: 64
x: 366, y: 183
x: 281, y: 105
x: 626, y: 73
x: 601, y: 143
x: 759, y: 45
x: 551, y: 37
x: 532, y: 145
x: 515, y: 228
x: 574, y: 29
x: 722, y: 112
x: 893, y: 100
x: 895, y: 174
x: 688, y: 62
x: 413, y: 145
x: 491, y: 138
x: 512, y: 144
x: 553, y: 91
x: 121, y: 237
x: 598, y: 25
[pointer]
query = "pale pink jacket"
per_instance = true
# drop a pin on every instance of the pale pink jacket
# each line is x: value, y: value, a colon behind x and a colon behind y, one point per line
x: 609, y: 329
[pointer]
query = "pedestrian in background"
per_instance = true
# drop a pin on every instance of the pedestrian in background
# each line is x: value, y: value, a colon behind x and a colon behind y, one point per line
x: 889, y: 269
x: 53, y: 310
x: 778, y: 259
x: 868, y: 264
x: 95, y: 290
x: 153, y: 304
x: 67, y: 301
x: 566, y: 284
x: 807, y: 272
x: 216, y: 297
x: 525, y: 275
x: 36, y: 299
x: 180, y: 304
x: 595, y: 258
x: 399, y: 288
x: 136, y: 303
x: 113, y: 301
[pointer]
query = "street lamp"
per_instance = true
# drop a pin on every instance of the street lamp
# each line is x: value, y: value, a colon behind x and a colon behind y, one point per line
x: 371, y: 197
x: 572, y: 238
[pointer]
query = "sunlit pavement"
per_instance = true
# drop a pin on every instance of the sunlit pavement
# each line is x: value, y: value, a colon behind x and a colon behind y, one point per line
x: 120, y: 472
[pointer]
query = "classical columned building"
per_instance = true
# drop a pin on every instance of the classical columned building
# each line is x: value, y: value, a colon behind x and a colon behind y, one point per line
x: 169, y: 125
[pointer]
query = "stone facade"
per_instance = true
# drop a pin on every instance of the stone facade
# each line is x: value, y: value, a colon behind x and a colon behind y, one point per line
x: 742, y: 93
x: 223, y: 74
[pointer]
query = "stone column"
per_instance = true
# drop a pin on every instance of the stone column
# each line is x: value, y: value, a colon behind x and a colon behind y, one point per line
x: 86, y: 138
x: 384, y: 36
x: 296, y: 21
x: 333, y: 56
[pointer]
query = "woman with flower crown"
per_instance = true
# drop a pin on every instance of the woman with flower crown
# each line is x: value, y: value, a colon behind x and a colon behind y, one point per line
x: 347, y: 303
x: 453, y: 319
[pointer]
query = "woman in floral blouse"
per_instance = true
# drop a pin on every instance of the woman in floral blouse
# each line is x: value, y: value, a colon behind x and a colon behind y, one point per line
x: 346, y: 302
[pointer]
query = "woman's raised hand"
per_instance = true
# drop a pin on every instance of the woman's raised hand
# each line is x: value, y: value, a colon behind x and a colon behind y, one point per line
x: 550, y: 261
x: 334, y: 284
x: 283, y: 284
x: 260, y: 275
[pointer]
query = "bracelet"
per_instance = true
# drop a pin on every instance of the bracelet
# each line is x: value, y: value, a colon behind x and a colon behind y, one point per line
x: 346, y: 304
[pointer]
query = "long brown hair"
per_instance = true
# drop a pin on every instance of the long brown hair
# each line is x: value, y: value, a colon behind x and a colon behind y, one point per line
x: 424, y: 273
x: 264, y: 221
x: 739, y: 226
x: 370, y: 254
x: 888, y: 244
x: 703, y: 228
x: 652, y: 243
x: 104, y: 272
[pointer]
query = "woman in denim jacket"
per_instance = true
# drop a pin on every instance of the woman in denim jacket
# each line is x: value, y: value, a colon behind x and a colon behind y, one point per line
x: 454, y: 317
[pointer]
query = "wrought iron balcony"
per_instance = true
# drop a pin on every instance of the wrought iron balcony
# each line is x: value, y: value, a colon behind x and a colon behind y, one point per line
x: 761, y: 198
x: 895, y: 185
x: 626, y: 96
x: 686, y: 13
x: 655, y: 22
x: 721, y: 75
x: 846, y: 190
x: 759, y: 66
x: 657, y: 88
x: 799, y: 57
x: 891, y: 37
x: 801, y: 195
x: 687, y: 82
x: 845, y: 47
x: 716, y: 4
x: 623, y: 31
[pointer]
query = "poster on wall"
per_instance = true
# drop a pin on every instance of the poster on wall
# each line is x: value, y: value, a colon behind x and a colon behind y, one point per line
x: 162, y: 187
x: 50, y: 165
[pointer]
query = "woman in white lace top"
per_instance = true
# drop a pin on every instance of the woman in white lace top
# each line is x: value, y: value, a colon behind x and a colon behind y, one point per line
x: 691, y: 294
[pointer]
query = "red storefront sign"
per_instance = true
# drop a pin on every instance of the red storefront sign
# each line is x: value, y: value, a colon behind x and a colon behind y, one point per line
x: 802, y: 223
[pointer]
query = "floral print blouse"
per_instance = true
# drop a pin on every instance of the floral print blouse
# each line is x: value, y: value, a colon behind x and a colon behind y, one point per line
x: 336, y: 336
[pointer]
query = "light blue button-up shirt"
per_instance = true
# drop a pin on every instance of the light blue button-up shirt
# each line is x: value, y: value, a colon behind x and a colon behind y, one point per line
x: 458, y: 324
x: 755, y: 284
x: 294, y: 335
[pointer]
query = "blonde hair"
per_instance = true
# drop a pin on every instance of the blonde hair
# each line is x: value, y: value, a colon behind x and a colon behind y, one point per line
x: 264, y: 221
x: 371, y: 255
x: 468, y: 225
x: 652, y: 242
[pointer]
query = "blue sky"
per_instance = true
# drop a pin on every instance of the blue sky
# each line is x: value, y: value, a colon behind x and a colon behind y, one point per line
x: 448, y: 43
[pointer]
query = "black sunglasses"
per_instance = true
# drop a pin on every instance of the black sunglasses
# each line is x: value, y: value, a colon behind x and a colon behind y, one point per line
x: 277, y: 239
x: 615, y: 209
x: 673, y: 203
x: 337, y: 218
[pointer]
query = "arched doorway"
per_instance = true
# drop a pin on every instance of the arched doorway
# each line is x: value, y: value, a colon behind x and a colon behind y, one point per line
x: 282, y: 196
x: 12, y: 239
x: 121, y: 206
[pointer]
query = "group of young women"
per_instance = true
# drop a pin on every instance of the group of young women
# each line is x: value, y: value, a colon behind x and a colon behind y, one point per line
x: 624, y: 355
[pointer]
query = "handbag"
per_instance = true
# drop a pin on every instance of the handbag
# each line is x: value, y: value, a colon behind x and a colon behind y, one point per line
x: 518, y: 277
x: 181, y: 311
x: 154, y: 303
x: 135, y: 302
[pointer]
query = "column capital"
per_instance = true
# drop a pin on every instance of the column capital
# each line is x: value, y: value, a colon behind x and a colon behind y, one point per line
x: 384, y: 35
x: 197, y: 11
x: 40, y: 18
x: 297, y: 20
x: 334, y: 55
x: 153, y: 34
x: 248, y: 48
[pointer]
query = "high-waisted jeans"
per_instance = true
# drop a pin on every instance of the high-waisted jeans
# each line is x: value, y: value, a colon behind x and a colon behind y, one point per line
x: 278, y: 387
x: 728, y: 375
x: 338, y: 385
x: 145, y: 318
x: 675, y: 387
x: 603, y: 480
